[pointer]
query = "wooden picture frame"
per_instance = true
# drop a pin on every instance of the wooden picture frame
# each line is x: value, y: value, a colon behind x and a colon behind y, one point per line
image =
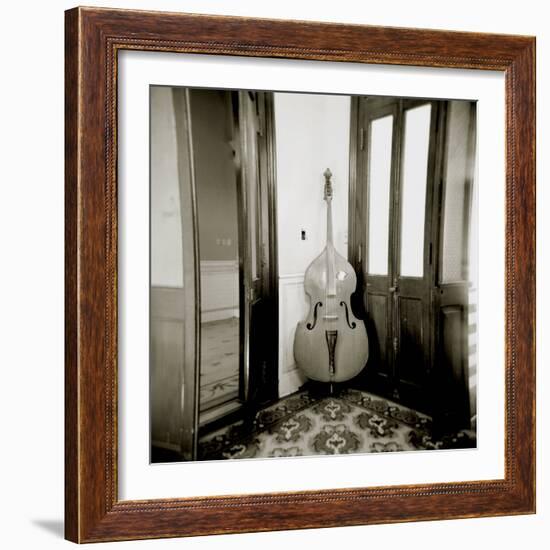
x: 93, y: 511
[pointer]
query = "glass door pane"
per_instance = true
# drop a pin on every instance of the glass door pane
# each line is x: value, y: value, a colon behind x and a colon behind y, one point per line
x: 380, y: 154
x: 414, y: 170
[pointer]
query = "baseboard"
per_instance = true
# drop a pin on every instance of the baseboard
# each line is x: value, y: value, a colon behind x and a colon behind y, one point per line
x: 291, y: 381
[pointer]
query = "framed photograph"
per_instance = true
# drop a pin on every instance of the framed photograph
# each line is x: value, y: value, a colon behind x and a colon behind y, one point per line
x: 300, y: 275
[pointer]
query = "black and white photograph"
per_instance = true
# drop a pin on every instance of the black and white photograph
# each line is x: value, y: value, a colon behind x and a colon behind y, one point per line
x: 313, y: 274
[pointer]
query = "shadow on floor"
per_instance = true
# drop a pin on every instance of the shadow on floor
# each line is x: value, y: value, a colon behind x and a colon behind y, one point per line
x: 55, y: 527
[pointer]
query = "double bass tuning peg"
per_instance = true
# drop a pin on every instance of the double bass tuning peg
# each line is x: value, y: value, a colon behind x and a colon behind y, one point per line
x: 328, y: 184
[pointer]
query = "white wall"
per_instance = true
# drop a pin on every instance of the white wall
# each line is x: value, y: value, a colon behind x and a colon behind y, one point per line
x: 166, y: 251
x: 312, y: 134
x: 31, y: 225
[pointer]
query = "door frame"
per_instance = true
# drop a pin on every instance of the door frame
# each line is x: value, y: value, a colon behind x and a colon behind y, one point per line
x: 249, y: 393
x: 192, y: 287
x: 191, y: 422
x: 248, y: 398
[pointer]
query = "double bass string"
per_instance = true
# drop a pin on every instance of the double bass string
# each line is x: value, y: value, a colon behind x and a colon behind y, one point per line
x: 328, y: 312
x: 330, y: 282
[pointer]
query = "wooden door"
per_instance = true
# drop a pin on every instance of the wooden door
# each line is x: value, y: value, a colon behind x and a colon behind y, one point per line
x: 410, y: 214
x: 391, y: 242
x: 182, y: 208
x: 174, y: 298
x: 259, y: 378
x: 413, y: 253
x: 374, y: 234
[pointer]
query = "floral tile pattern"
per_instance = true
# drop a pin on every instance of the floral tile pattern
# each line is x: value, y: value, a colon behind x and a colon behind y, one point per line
x: 292, y: 429
x: 332, y: 409
x: 337, y: 439
x: 390, y: 446
x: 351, y: 422
x: 377, y: 426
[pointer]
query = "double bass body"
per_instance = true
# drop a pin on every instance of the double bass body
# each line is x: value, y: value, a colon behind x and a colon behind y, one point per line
x: 331, y: 344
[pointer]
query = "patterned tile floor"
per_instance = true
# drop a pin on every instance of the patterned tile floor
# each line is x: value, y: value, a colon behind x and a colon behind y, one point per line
x: 219, y: 362
x: 350, y: 422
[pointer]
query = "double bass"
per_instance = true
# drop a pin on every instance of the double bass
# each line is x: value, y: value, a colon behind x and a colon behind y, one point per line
x: 331, y: 344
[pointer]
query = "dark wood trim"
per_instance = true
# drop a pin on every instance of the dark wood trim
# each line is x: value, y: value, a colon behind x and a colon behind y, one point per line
x: 93, y: 38
x: 269, y: 142
x: 439, y: 198
x: 265, y: 286
x: 72, y: 229
x: 242, y: 233
x: 245, y: 276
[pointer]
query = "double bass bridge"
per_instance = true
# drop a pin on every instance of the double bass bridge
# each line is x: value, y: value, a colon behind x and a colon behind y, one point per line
x: 330, y: 317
